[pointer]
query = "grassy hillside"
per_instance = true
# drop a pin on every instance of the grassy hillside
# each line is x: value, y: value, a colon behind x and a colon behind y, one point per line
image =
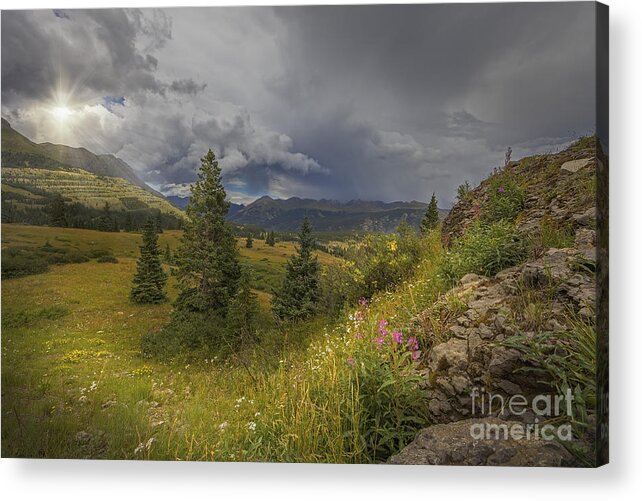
x: 19, y: 151
x: 268, y: 263
x: 75, y: 385
x: 32, y: 174
x: 84, y: 187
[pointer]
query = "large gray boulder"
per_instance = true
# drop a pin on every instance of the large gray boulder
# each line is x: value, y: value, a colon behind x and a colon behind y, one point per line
x: 453, y: 444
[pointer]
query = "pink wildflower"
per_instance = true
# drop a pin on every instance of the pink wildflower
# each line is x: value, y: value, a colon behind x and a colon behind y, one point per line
x: 350, y: 361
x: 397, y: 337
x: 501, y: 189
x: 382, y: 327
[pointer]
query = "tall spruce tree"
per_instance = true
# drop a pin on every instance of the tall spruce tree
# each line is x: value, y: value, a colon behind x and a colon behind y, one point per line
x: 249, y: 242
x: 105, y: 221
x: 299, y: 294
x: 58, y: 211
x: 129, y: 222
x: 207, y: 261
x: 159, y: 222
x: 431, y: 218
x: 243, y: 313
x: 149, y: 280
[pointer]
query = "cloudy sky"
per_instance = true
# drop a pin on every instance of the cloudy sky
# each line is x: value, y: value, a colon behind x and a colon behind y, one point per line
x: 374, y: 102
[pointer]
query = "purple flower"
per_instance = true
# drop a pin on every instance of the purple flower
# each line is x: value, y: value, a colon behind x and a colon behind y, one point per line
x: 501, y: 189
x: 412, y: 343
x: 397, y: 337
x: 382, y: 327
x: 363, y: 302
x: 358, y: 335
x: 350, y: 361
x: 379, y: 340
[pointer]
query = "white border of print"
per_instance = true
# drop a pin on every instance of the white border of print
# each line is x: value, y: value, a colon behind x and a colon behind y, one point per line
x: 120, y: 480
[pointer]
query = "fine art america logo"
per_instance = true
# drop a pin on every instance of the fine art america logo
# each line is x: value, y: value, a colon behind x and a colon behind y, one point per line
x: 543, y: 408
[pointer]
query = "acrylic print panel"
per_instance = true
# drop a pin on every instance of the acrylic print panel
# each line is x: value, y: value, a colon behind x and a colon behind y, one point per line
x: 337, y: 234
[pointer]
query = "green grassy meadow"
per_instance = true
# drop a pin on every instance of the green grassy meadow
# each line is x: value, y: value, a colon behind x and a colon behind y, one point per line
x: 74, y: 383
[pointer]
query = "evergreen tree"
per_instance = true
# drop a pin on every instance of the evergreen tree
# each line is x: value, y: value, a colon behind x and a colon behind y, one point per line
x: 243, y: 313
x: 129, y: 222
x: 431, y: 218
x: 150, y: 279
x: 207, y: 261
x: 270, y: 239
x: 249, y: 242
x: 463, y: 191
x: 168, y: 254
x: 58, y: 212
x: 299, y: 294
x: 159, y: 223
x: 105, y: 222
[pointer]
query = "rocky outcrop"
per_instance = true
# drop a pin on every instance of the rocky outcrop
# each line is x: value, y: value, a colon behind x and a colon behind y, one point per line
x: 474, y: 356
x: 556, y: 190
x: 531, y: 299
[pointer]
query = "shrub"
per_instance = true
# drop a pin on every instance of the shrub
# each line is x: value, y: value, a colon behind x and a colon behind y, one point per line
x: 98, y: 253
x: 24, y: 318
x: 16, y: 264
x: 107, y: 258
x: 382, y: 370
x: 463, y: 191
x: 378, y: 262
x: 189, y: 334
x: 552, y: 234
x: 22, y: 261
x: 485, y: 250
x: 68, y: 257
x: 392, y: 403
x: 505, y: 200
x: 565, y: 360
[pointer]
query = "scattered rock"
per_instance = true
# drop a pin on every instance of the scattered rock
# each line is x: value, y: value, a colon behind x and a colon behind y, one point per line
x: 449, y: 357
x: 470, y: 278
x: 553, y: 267
x: 587, y: 218
x: 575, y: 165
x: 83, y: 437
x: 109, y: 403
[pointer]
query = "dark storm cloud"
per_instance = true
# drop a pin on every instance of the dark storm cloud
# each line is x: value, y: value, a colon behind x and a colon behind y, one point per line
x: 187, y: 86
x: 387, y: 102
x: 93, y: 50
x: 499, y: 74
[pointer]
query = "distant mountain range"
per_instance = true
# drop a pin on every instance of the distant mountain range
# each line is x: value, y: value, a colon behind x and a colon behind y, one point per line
x: 325, y: 215
x: 181, y: 203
